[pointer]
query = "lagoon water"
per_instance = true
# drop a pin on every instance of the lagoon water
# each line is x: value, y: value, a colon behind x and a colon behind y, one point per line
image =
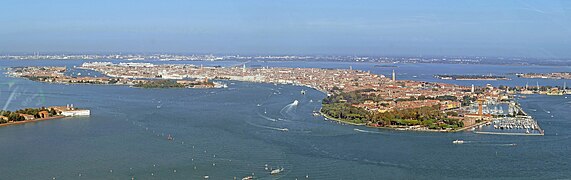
x: 223, y: 133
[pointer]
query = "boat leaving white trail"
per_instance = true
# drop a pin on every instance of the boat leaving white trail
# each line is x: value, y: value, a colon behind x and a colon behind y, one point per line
x: 268, y: 127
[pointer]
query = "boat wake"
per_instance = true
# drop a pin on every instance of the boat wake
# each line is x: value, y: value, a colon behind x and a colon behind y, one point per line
x: 365, y: 131
x: 289, y: 108
x: 485, y: 143
x: 269, y: 127
x: 267, y: 118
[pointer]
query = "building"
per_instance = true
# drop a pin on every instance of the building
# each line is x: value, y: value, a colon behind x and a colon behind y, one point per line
x: 77, y: 112
x: 69, y: 110
x: 44, y: 114
x: 27, y: 116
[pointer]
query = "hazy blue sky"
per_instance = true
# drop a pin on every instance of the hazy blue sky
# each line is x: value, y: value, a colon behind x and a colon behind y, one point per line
x: 540, y: 28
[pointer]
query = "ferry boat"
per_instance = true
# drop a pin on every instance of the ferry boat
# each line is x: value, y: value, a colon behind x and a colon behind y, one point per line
x: 458, y: 141
x: 276, y: 171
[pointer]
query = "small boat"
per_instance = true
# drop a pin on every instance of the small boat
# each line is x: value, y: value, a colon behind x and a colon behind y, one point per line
x: 276, y: 171
x: 259, y: 105
x: 284, y: 129
x: 458, y: 141
x: 206, y: 177
x: 170, y: 138
x: 302, y: 91
x: 248, y: 178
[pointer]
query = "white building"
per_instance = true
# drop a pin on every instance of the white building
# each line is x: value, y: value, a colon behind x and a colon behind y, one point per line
x: 80, y: 112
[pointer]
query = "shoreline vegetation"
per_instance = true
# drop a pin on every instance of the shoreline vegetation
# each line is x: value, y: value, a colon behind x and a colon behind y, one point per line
x: 339, y: 107
x: 28, y: 115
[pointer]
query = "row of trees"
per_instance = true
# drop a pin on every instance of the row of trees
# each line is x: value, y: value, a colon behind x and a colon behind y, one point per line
x: 346, y: 112
x: 428, y: 116
x: 339, y: 106
x: 15, y: 115
x: 160, y: 84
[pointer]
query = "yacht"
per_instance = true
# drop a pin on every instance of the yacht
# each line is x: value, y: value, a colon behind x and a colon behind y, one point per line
x: 276, y: 171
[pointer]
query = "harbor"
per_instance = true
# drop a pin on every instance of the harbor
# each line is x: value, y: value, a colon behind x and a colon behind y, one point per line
x: 515, y: 122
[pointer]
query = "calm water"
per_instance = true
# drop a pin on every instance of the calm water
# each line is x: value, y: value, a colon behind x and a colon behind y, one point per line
x: 223, y: 133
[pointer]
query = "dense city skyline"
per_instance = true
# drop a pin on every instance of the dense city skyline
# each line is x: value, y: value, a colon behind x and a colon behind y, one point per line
x: 408, y: 28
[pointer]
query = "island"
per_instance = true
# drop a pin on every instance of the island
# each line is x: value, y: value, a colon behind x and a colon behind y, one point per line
x: 57, y: 75
x: 29, y: 115
x: 470, y: 77
x: 554, y: 75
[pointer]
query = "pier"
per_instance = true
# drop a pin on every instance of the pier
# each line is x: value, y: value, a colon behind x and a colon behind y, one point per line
x: 520, y: 124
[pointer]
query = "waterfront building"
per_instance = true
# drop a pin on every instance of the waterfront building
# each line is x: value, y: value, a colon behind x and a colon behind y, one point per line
x: 69, y: 111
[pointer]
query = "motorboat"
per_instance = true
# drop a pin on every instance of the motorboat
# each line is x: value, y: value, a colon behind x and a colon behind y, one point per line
x: 458, y: 141
x: 276, y: 171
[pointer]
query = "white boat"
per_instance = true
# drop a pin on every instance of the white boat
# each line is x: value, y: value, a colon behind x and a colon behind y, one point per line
x: 276, y: 171
x: 248, y: 178
x: 458, y: 141
x: 259, y: 105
